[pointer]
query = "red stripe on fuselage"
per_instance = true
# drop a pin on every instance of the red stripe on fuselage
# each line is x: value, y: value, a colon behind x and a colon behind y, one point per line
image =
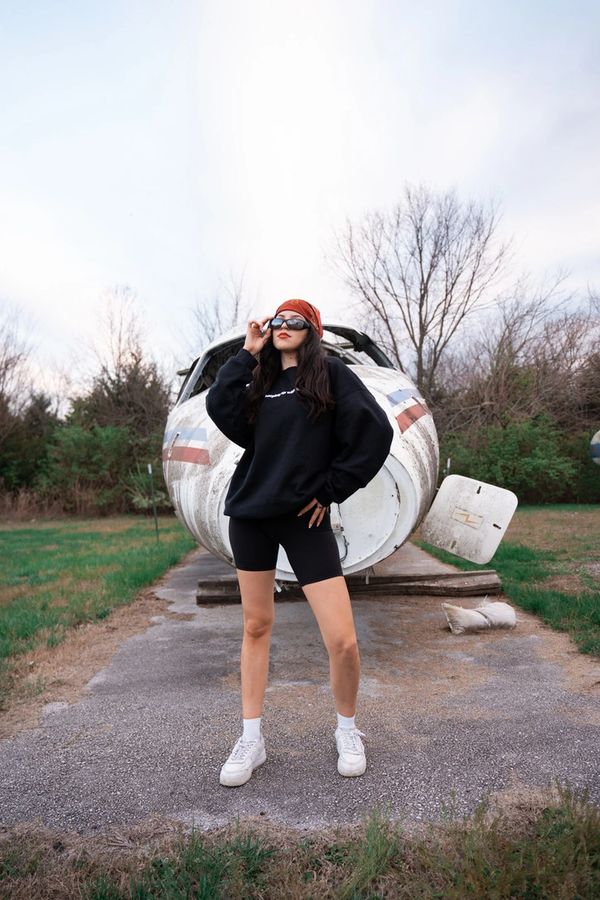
x: 408, y: 416
x: 187, y: 454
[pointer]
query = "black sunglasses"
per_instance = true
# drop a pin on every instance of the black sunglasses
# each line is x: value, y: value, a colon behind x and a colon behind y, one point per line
x: 292, y: 324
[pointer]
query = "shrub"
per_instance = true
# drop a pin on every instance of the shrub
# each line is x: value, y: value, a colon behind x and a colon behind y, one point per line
x: 526, y: 457
x: 87, y: 468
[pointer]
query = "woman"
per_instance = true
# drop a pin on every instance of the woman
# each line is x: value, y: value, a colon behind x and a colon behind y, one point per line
x: 313, y: 434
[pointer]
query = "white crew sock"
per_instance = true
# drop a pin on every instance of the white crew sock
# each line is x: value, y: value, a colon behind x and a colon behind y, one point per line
x: 345, y: 721
x: 252, y: 729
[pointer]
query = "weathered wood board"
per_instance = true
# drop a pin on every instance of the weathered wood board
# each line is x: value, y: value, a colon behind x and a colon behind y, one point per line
x: 408, y: 571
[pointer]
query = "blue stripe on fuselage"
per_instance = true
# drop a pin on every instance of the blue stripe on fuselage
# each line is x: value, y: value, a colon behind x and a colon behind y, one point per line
x: 399, y: 396
x: 186, y: 434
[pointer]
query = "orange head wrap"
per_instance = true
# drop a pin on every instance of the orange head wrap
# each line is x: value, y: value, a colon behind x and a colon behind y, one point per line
x: 306, y: 309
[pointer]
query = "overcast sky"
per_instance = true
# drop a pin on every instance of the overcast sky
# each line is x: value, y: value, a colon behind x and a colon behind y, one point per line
x: 163, y: 144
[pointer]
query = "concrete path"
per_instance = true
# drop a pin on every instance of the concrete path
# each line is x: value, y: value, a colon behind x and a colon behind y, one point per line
x: 448, y: 720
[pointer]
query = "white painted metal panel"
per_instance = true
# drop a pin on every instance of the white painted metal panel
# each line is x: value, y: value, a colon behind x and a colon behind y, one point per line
x: 469, y: 518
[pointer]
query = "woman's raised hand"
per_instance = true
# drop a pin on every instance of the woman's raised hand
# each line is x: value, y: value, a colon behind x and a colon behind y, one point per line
x: 255, y: 338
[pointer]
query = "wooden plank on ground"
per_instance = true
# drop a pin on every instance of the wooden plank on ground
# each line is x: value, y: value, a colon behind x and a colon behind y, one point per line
x: 218, y: 584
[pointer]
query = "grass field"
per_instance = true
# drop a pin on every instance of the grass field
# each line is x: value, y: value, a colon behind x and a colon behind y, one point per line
x: 549, y: 563
x: 58, y: 574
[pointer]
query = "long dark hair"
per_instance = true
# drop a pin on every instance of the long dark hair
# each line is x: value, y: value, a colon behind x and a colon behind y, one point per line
x: 312, y: 377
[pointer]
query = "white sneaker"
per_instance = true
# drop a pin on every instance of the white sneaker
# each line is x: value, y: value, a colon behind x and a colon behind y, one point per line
x: 352, y: 759
x: 243, y: 759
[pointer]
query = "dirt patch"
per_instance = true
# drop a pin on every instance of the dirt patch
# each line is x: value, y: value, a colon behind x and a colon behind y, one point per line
x: 59, y: 584
x: 581, y: 672
x: 521, y: 804
x: 556, y: 529
x: 8, y: 594
x: 108, y: 525
x: 60, y: 674
x: 593, y: 569
x: 564, y: 584
x: 412, y: 645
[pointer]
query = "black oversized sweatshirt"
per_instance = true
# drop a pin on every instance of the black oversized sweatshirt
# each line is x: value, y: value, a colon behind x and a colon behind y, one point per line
x: 288, y: 460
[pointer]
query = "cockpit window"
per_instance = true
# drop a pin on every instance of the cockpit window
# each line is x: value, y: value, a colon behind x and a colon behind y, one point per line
x: 352, y: 347
x: 212, y: 364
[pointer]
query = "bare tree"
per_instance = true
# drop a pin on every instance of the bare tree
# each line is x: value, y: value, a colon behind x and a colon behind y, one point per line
x: 526, y: 359
x: 126, y: 385
x: 14, y: 376
x: 215, y: 315
x: 420, y: 270
x: 120, y: 333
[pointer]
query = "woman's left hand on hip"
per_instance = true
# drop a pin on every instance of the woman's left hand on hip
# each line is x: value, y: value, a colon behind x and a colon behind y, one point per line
x: 318, y: 513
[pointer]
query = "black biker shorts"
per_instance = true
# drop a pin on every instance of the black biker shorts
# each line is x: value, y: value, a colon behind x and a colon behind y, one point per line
x: 312, y: 552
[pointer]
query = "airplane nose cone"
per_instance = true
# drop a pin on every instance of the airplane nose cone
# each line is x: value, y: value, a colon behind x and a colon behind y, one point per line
x: 199, y: 463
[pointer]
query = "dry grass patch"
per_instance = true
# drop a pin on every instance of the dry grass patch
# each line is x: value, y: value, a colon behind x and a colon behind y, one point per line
x: 524, y: 844
x: 105, y: 525
x: 565, y: 529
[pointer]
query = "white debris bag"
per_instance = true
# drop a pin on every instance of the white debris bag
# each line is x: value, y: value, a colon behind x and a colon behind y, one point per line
x: 488, y: 615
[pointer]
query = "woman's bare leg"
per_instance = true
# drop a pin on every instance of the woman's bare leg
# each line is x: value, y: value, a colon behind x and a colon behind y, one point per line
x: 330, y: 603
x: 258, y: 607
